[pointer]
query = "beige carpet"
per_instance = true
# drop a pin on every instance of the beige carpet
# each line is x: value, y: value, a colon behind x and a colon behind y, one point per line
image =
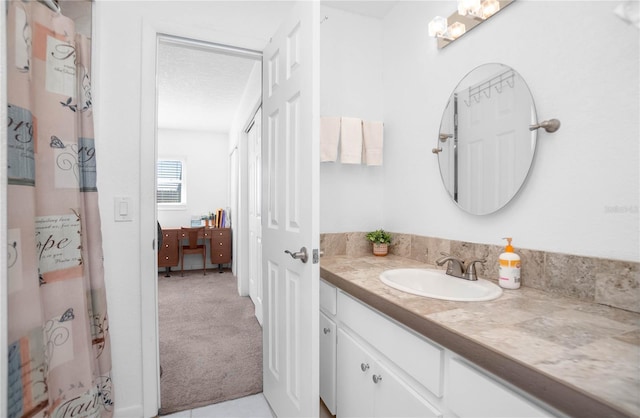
x: 210, y: 341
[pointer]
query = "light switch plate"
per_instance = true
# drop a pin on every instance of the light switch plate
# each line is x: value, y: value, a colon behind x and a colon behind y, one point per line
x: 122, y: 209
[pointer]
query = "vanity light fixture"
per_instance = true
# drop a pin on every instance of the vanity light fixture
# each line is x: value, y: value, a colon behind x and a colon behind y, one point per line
x: 470, y: 14
x: 439, y: 27
x: 478, y: 9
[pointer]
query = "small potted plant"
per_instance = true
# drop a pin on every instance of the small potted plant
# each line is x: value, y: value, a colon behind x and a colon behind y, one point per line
x: 381, y: 240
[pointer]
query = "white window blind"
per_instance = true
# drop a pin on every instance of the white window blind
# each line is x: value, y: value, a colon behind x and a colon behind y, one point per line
x: 171, y: 186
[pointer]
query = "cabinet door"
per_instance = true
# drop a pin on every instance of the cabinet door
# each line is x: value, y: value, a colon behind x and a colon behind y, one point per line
x: 394, y: 398
x: 355, y: 387
x: 328, y: 362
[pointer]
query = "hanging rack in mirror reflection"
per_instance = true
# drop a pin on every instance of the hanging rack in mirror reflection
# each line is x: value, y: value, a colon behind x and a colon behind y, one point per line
x: 51, y: 4
x: 484, y: 89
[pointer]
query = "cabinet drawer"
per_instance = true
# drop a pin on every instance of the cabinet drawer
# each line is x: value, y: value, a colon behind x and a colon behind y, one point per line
x: 220, y: 256
x: 220, y: 251
x: 328, y: 294
x: 220, y: 236
x: 168, y: 252
x: 419, y: 358
x: 471, y: 393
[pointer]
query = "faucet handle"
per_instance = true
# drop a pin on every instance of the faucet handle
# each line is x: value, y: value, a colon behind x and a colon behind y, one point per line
x: 470, y: 272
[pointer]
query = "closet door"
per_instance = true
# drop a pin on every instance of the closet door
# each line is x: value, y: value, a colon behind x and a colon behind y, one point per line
x: 255, y: 213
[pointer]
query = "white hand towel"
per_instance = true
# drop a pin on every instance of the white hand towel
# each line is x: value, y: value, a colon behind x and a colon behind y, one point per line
x: 351, y: 141
x: 373, y: 133
x: 329, y: 137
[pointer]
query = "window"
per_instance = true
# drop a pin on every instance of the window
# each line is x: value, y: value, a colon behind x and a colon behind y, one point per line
x: 171, y: 188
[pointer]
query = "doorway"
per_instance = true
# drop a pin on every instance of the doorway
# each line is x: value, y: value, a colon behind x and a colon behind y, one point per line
x: 204, y: 99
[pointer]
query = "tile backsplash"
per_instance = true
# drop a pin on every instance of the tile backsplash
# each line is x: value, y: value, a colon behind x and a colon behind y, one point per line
x: 607, y: 282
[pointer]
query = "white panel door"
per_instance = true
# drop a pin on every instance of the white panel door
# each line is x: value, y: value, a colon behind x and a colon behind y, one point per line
x: 490, y: 154
x: 255, y: 213
x: 290, y: 160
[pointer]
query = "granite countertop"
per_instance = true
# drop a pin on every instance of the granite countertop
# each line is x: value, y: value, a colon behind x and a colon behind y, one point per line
x: 581, y: 358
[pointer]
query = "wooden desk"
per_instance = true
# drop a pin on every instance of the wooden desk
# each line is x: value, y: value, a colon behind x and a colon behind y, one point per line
x: 219, y: 246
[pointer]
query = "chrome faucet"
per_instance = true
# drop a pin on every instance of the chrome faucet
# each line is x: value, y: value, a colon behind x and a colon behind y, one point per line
x: 456, y: 267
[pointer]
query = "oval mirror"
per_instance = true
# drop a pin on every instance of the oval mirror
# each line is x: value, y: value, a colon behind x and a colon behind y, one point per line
x: 485, y: 147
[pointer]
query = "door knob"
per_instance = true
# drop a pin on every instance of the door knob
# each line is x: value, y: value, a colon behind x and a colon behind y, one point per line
x: 326, y: 330
x: 364, y: 366
x: 376, y: 378
x: 299, y: 255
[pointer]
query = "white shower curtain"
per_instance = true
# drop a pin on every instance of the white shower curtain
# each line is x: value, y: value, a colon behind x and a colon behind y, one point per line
x: 58, y: 332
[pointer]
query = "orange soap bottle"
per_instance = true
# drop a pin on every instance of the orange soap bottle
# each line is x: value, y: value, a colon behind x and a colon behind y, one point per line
x: 509, y: 269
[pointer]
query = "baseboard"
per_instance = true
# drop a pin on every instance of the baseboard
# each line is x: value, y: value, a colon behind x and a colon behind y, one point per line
x: 135, y: 411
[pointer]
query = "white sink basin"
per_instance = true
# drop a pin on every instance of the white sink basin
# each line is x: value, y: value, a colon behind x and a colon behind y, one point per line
x: 436, y: 284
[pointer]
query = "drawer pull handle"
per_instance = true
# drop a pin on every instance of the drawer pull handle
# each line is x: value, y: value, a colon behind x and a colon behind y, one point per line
x: 221, y: 244
x: 364, y: 367
x: 376, y: 378
x: 326, y: 330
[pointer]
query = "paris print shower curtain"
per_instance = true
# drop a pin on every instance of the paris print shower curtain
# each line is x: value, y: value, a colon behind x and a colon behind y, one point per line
x: 58, y: 331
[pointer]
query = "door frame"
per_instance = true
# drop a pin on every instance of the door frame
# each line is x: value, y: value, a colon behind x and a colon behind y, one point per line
x: 149, y: 336
x: 241, y: 231
x: 4, y: 325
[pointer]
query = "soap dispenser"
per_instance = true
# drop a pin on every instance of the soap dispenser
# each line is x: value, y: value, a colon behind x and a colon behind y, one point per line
x: 509, y: 268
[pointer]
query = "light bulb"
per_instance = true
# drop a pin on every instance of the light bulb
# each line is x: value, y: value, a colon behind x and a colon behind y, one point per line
x: 489, y: 8
x: 456, y: 30
x: 468, y: 7
x: 437, y: 26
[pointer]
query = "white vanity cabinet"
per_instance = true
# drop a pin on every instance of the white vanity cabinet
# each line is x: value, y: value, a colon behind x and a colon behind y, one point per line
x: 384, y: 370
x: 328, y: 334
x: 368, y: 388
x: 381, y: 368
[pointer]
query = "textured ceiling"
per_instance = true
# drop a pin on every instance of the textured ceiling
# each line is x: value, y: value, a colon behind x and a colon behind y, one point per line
x: 199, y: 89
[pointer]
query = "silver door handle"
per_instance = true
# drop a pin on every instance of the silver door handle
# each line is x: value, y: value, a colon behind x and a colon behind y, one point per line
x: 299, y: 255
x: 364, y: 366
x: 376, y: 378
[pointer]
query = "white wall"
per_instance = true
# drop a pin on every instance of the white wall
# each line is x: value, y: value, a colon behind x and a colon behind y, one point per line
x: 582, y: 194
x: 350, y: 85
x: 121, y: 118
x: 206, y: 157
